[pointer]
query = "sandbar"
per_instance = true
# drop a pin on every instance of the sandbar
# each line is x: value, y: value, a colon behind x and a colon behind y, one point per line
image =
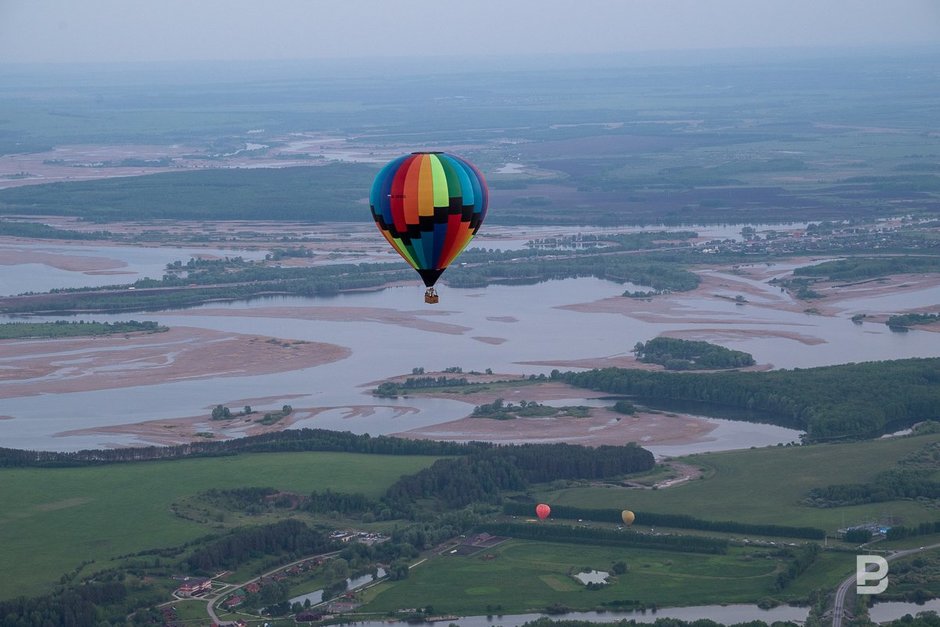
x: 54, y: 366
x: 410, y: 319
x: 13, y: 256
x: 602, y: 426
x: 172, y: 431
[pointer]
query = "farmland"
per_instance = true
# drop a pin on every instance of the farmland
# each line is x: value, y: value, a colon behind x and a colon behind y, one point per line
x: 57, y: 519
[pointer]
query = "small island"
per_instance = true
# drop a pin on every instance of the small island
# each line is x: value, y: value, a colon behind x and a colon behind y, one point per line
x: 500, y: 410
x: 676, y: 354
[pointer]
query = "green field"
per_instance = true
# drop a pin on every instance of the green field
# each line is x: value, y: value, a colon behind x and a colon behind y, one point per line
x: 55, y: 519
x: 88, y: 519
x: 530, y: 576
x: 766, y: 486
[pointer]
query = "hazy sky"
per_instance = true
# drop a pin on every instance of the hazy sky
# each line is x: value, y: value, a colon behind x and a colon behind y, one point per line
x: 164, y: 30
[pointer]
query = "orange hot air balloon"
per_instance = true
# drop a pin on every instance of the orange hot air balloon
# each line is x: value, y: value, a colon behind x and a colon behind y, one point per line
x: 542, y: 511
x: 628, y: 517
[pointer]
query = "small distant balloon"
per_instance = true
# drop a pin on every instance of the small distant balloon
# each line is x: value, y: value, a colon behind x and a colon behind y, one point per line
x: 542, y: 511
x: 628, y: 517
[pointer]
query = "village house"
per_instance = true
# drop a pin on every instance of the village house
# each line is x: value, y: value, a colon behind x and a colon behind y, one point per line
x: 233, y: 601
x: 191, y: 586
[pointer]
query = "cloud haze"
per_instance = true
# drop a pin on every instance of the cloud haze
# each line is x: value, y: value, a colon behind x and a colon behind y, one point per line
x: 172, y: 30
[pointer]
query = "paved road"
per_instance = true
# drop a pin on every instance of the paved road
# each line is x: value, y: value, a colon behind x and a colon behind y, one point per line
x: 838, y: 610
x: 218, y: 594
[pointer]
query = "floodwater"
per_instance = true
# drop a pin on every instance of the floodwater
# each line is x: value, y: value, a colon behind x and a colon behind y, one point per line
x: 519, y: 329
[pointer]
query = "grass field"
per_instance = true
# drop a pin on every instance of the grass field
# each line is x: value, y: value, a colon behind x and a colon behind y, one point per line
x: 52, y: 520
x: 529, y: 576
x: 191, y: 612
x: 766, y: 486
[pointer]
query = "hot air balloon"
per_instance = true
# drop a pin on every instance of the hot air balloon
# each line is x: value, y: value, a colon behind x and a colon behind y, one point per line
x: 627, y: 517
x: 429, y: 205
x: 542, y: 511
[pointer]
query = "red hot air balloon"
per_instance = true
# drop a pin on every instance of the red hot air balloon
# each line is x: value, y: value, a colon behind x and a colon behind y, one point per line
x: 542, y: 511
x: 429, y: 205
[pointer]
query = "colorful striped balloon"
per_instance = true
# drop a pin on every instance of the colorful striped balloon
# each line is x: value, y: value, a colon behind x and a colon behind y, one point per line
x: 429, y: 205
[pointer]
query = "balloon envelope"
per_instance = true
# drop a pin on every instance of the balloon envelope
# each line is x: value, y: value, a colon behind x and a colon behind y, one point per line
x: 429, y: 205
x: 627, y: 517
x: 542, y: 511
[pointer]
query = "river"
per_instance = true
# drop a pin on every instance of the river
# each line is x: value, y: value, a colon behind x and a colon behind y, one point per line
x: 725, y: 614
x: 518, y: 329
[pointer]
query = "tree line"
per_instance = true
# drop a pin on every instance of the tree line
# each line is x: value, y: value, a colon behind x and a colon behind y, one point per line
x: 903, y: 321
x: 76, y: 606
x: 81, y: 328
x: 501, y: 410
x: 861, y: 268
x: 290, y: 440
x: 890, y: 485
x: 480, y: 476
x: 610, y: 537
x: 923, y: 529
x: 911, y: 479
x: 861, y: 400
x: 36, y: 230
x: 393, y: 389
x: 620, y: 268
x: 178, y: 292
x: 678, y: 521
x: 257, y: 280
x: 290, y: 538
x: 800, y: 559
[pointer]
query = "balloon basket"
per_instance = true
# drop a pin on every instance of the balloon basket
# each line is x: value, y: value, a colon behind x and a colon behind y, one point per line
x: 430, y: 296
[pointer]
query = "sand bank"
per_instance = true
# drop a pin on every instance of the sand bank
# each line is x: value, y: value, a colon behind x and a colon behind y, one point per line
x: 418, y: 319
x: 51, y: 366
x: 201, y: 427
x: 601, y: 426
x: 13, y: 256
